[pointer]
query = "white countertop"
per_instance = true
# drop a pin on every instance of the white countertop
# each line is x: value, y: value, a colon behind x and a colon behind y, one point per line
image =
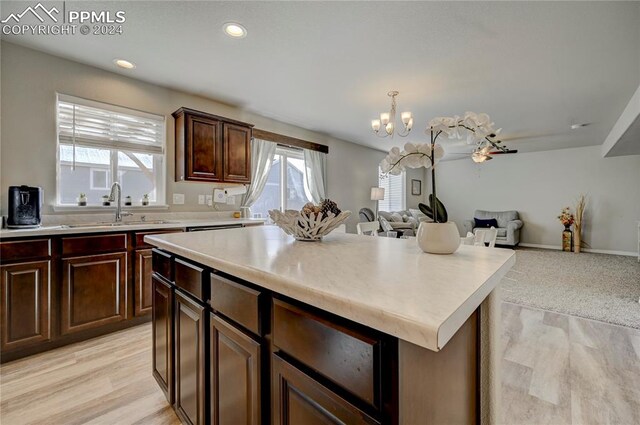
x: 386, y: 284
x: 124, y: 227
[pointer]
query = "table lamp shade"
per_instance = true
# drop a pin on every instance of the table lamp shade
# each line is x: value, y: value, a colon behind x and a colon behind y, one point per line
x: 377, y: 193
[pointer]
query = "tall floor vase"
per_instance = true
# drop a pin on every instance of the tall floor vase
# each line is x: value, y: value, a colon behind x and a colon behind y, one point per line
x: 577, y: 239
x: 567, y: 239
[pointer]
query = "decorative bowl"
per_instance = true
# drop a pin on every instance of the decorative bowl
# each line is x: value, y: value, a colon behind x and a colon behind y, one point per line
x: 311, y: 227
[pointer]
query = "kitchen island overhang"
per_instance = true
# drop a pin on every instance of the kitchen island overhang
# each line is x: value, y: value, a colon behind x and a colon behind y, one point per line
x: 386, y: 284
x: 377, y: 291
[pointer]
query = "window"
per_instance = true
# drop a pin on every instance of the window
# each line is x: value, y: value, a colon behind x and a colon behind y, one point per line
x: 99, y: 144
x: 100, y: 179
x: 394, y: 192
x: 285, y: 186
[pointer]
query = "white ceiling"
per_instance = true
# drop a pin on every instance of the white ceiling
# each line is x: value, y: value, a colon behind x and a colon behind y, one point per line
x: 535, y: 67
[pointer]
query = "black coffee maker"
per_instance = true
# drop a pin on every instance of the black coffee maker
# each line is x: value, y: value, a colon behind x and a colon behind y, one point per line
x: 25, y: 206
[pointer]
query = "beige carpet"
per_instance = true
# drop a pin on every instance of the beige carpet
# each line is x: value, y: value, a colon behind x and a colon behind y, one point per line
x: 594, y: 286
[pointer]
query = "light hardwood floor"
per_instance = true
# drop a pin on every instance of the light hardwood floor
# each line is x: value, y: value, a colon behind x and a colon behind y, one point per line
x: 557, y: 369
x: 560, y: 369
x: 106, y: 380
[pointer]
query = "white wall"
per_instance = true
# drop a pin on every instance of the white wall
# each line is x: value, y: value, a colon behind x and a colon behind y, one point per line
x: 540, y: 184
x: 413, y: 200
x: 30, y: 80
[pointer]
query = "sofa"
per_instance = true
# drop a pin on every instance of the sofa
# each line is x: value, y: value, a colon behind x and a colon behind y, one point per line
x: 509, y: 225
x: 404, y: 222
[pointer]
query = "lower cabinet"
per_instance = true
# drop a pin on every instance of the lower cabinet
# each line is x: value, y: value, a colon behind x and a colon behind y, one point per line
x: 234, y: 375
x: 244, y: 356
x: 162, y: 329
x: 94, y: 291
x: 190, y: 357
x: 25, y: 304
x: 299, y: 399
x: 142, y: 282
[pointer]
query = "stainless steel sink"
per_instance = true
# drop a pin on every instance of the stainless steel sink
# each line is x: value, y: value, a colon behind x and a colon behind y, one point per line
x: 112, y: 224
x: 98, y: 224
x: 149, y: 222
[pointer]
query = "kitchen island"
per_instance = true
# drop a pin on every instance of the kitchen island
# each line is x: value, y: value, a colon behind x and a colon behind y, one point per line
x: 251, y: 326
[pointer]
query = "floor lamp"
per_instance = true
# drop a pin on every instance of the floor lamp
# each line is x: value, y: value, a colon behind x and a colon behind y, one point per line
x: 377, y: 194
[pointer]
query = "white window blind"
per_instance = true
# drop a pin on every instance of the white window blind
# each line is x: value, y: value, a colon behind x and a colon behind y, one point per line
x: 101, y: 125
x: 394, y: 192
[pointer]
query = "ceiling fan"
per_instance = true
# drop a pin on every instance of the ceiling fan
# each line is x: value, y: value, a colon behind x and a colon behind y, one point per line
x: 485, y: 153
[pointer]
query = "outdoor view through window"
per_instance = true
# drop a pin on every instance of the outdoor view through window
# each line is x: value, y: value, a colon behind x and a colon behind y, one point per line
x: 285, y: 186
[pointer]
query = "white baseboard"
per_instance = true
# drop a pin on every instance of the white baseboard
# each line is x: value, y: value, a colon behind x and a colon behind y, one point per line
x: 595, y: 251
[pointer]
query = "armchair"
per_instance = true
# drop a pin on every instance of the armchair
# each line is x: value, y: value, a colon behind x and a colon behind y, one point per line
x: 509, y: 225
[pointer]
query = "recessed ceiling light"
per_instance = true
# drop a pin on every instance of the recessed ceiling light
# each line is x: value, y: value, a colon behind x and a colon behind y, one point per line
x: 577, y: 126
x: 124, y: 63
x: 235, y: 30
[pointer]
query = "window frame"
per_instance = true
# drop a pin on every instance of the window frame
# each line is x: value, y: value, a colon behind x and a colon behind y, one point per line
x: 161, y: 179
x: 284, y: 153
x: 107, y: 171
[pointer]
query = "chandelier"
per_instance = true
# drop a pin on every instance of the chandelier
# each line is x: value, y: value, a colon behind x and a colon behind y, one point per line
x: 388, y: 120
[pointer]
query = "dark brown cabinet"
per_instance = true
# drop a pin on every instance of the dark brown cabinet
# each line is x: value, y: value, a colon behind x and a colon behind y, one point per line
x: 234, y: 375
x: 202, y: 148
x: 24, y: 304
x: 190, y: 356
x: 162, y: 329
x: 63, y: 289
x: 93, y: 291
x: 143, y: 293
x: 210, y: 148
x: 237, y: 153
x: 299, y: 399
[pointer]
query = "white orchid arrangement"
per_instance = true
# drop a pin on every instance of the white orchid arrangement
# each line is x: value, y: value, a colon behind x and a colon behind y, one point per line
x: 479, y: 131
x: 412, y: 156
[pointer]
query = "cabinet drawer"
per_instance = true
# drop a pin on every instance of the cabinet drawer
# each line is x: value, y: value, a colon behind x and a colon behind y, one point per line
x: 138, y: 237
x: 162, y: 263
x: 191, y: 278
x: 85, y: 245
x: 344, y: 356
x: 237, y: 302
x: 24, y: 250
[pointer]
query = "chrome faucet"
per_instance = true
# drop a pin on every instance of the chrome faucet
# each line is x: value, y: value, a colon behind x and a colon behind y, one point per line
x: 116, y: 196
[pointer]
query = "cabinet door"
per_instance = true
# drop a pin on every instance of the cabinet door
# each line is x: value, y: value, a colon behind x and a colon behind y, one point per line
x: 237, y: 153
x: 190, y: 355
x: 234, y: 375
x: 144, y: 269
x: 93, y: 291
x: 299, y: 399
x: 203, y: 152
x: 162, y: 328
x: 25, y: 309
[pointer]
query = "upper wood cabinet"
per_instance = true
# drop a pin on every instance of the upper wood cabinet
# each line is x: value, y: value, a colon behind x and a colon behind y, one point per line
x: 237, y: 153
x: 210, y: 148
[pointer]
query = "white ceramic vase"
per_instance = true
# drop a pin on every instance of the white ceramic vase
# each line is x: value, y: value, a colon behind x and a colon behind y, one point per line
x: 438, y: 238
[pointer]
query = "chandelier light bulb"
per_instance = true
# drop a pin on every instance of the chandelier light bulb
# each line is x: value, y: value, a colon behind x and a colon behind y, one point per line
x: 384, y: 118
x: 375, y: 125
x: 410, y: 123
x: 406, y: 117
x: 389, y: 128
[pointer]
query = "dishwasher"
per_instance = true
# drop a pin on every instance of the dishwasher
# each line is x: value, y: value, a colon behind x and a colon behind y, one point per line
x: 202, y: 229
